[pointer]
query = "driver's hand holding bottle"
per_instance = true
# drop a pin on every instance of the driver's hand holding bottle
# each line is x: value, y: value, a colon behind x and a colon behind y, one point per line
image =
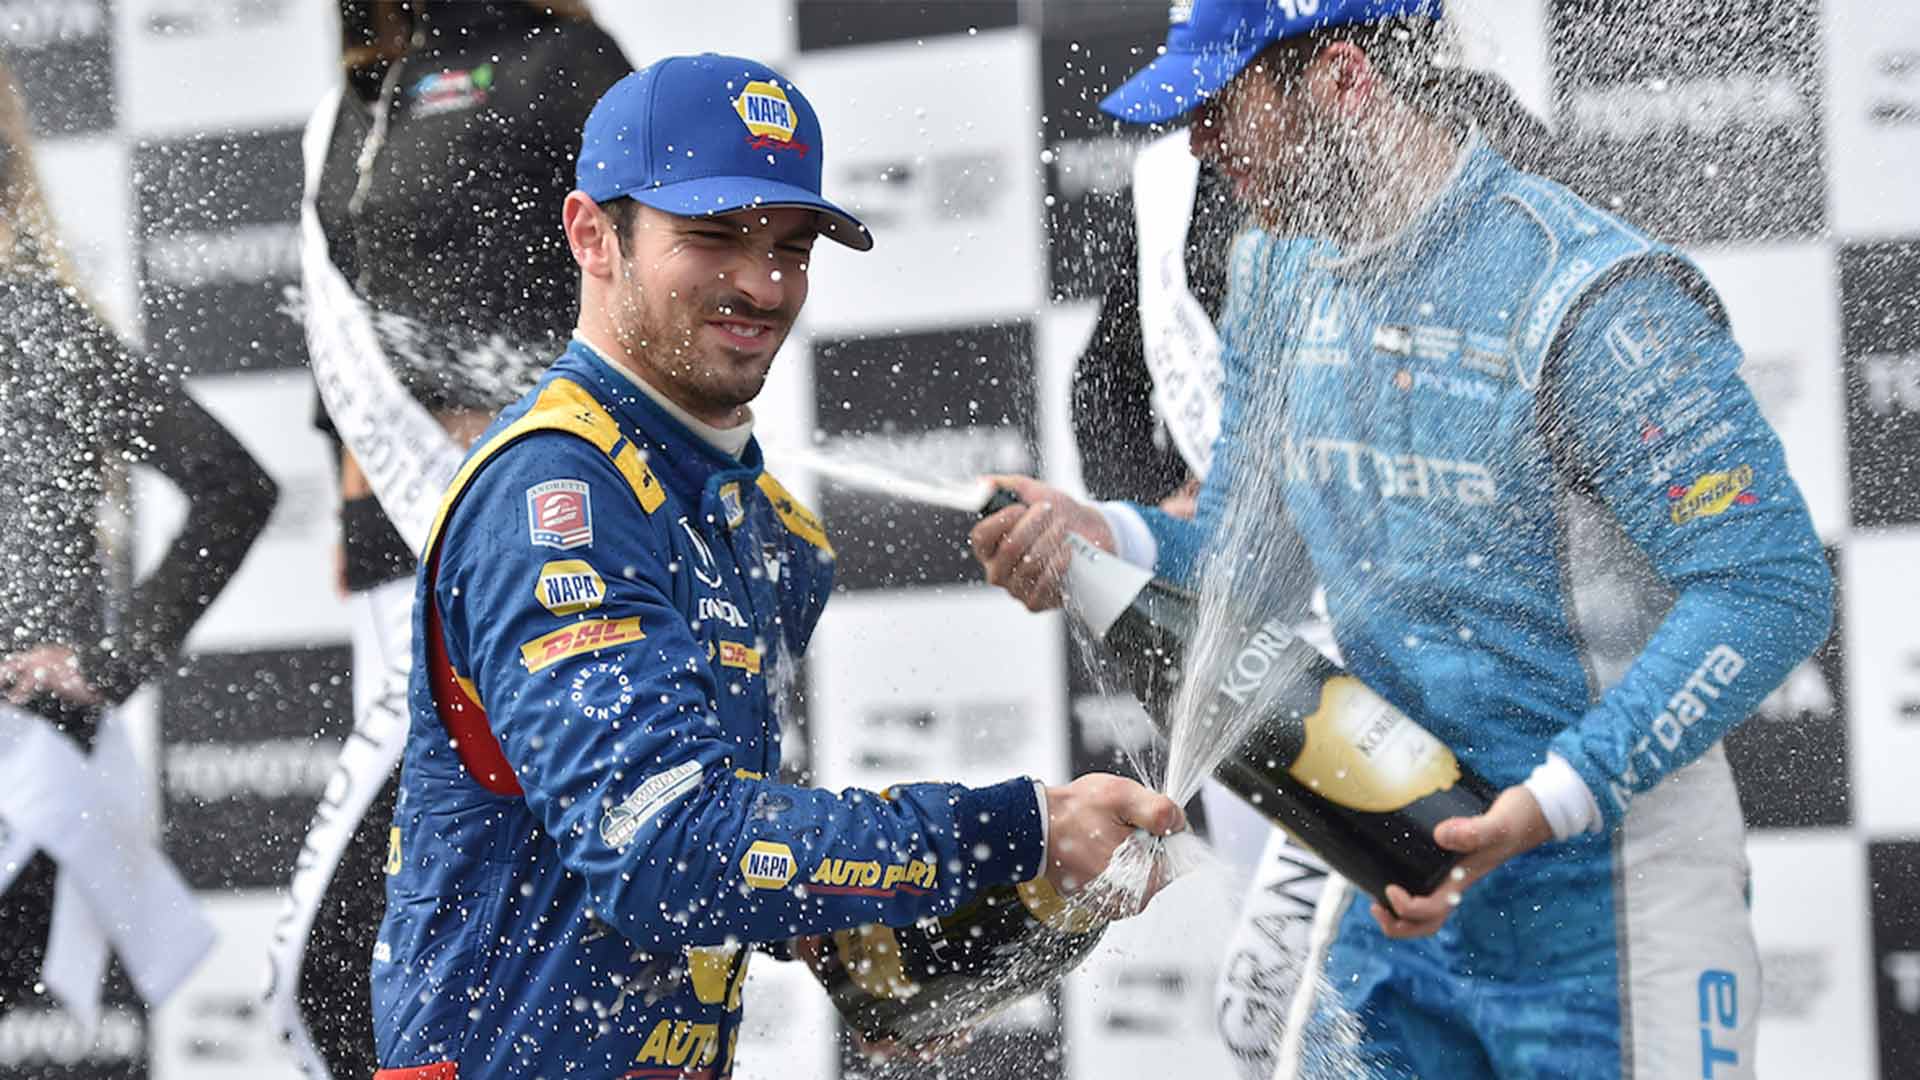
x: 1024, y: 550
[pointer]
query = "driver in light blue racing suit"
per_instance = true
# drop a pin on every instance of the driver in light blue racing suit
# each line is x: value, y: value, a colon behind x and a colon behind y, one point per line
x: 1507, y: 435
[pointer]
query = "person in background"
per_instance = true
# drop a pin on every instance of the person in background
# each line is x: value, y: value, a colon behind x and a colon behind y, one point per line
x: 453, y: 134
x: 1456, y: 393
x: 1127, y: 447
x: 78, y: 408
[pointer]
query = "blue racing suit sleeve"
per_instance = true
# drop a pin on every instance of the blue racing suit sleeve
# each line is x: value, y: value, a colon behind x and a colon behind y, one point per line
x: 1263, y: 277
x: 653, y: 807
x: 1649, y: 412
x: 1181, y: 544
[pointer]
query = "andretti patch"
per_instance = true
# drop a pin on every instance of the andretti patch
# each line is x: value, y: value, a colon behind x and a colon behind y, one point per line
x: 560, y: 514
x: 588, y: 636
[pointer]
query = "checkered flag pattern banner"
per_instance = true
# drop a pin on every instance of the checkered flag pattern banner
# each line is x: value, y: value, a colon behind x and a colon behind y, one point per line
x: 1777, y: 140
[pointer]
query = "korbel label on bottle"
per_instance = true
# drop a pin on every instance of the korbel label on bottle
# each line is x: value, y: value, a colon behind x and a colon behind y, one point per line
x: 1366, y: 755
x: 1254, y: 662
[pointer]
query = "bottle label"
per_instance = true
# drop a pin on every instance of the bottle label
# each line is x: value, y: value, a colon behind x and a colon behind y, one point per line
x: 1366, y: 755
x: 1255, y: 661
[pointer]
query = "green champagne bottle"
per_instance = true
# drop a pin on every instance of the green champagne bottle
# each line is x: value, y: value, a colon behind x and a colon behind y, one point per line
x: 1352, y: 777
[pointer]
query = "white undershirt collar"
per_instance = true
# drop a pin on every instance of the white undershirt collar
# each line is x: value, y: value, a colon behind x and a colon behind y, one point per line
x: 729, y: 441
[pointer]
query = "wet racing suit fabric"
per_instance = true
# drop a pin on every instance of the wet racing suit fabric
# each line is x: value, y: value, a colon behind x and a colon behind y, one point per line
x: 1513, y: 445
x: 585, y: 838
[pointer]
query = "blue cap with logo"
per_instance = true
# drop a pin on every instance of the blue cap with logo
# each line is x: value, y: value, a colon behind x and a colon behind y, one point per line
x: 1209, y: 41
x: 700, y: 135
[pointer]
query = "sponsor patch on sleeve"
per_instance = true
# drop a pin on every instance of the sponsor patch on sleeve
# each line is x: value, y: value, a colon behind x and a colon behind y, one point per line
x: 767, y: 865
x: 1711, y: 495
x: 569, y: 587
x: 549, y: 649
x: 856, y: 877
x: 620, y: 823
x: 560, y: 514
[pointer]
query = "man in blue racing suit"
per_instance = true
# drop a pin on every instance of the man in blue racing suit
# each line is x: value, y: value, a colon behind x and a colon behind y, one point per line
x: 1507, y: 435
x: 589, y: 833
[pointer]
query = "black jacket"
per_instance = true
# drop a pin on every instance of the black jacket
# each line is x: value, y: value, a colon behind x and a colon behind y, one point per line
x: 446, y: 217
x: 77, y: 408
x: 1124, y: 450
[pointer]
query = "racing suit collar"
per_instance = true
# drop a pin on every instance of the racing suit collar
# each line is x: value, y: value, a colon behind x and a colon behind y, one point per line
x: 687, y: 462
x: 1474, y: 171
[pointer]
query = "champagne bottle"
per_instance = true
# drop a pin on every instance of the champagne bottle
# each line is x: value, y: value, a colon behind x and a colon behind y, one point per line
x: 1332, y: 762
x: 939, y: 977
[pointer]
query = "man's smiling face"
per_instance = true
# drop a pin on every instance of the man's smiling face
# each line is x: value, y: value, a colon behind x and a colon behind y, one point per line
x: 704, y: 303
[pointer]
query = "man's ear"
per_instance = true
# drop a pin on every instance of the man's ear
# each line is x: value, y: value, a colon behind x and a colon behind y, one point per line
x: 590, y: 235
x: 1342, y: 80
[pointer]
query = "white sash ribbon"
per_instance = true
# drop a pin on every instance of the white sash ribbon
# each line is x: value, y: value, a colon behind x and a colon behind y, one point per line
x: 408, y: 458
x: 1177, y: 337
x: 382, y: 655
x: 114, y: 886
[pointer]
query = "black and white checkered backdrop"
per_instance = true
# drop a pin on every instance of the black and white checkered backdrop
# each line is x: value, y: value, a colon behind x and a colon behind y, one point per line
x: 1778, y: 139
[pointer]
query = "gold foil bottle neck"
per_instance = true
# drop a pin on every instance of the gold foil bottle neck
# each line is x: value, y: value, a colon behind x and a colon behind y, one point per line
x: 872, y: 958
x: 1054, y: 911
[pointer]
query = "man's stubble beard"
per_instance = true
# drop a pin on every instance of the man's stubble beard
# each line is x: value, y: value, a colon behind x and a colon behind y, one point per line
x: 1312, y: 193
x: 665, y: 344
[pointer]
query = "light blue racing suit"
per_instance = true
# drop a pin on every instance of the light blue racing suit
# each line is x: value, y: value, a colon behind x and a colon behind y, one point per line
x: 1513, y: 446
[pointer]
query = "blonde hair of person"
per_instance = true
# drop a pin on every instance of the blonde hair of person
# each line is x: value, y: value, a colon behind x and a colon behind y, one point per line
x: 29, y: 243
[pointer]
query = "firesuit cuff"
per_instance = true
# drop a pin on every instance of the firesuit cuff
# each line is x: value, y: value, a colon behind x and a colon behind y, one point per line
x: 1002, y: 829
x: 1132, y: 540
x: 1040, y: 800
x: 1564, y: 798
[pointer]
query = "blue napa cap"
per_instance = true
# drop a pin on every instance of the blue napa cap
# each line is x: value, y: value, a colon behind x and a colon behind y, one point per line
x: 1209, y: 41
x: 700, y: 135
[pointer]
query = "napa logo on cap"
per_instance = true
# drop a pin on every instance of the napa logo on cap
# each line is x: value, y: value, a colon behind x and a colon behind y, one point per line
x: 770, y: 117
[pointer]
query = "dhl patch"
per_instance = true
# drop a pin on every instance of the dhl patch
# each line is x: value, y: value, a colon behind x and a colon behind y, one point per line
x: 858, y: 877
x: 1711, y: 494
x: 768, y: 865
x: 549, y: 649
x: 744, y: 657
x: 569, y: 587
